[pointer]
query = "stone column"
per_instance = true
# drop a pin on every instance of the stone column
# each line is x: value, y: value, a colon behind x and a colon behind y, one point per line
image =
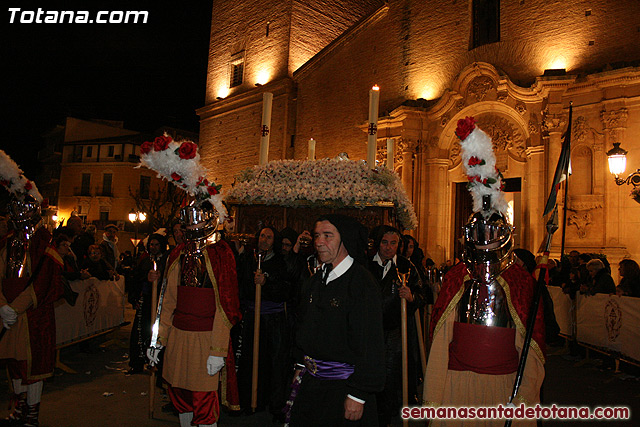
x: 408, y: 151
x: 535, y: 197
x: 435, y: 212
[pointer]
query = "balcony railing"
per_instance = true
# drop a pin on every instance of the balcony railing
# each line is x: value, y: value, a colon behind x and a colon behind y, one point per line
x: 131, y: 158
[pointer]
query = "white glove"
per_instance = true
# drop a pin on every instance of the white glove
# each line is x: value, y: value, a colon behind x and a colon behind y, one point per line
x: 9, y: 316
x: 153, y: 354
x: 214, y: 364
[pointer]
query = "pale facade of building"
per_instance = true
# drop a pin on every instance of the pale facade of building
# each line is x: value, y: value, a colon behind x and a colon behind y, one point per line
x: 437, y: 62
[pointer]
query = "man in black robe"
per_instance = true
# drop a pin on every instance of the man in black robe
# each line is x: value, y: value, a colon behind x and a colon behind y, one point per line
x: 275, y: 343
x: 339, y: 337
x: 386, y: 265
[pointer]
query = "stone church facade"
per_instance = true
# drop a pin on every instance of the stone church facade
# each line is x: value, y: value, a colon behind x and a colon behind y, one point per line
x: 515, y: 66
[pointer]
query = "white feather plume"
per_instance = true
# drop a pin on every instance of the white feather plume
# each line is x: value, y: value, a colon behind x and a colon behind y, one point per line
x: 12, y: 177
x: 480, y: 164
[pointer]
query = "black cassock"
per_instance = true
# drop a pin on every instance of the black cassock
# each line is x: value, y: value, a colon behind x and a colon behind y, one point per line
x: 341, y: 322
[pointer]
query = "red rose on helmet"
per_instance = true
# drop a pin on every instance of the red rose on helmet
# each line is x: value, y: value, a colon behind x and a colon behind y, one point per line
x: 212, y: 190
x: 176, y: 177
x: 465, y: 127
x: 28, y: 186
x: 187, y: 150
x: 146, y: 147
x: 161, y: 143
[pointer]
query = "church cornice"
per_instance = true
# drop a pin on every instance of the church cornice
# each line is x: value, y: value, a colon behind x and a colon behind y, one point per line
x: 246, y: 99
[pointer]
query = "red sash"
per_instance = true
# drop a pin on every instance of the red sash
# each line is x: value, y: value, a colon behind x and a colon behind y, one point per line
x: 195, y: 309
x: 483, y: 349
x: 12, y: 287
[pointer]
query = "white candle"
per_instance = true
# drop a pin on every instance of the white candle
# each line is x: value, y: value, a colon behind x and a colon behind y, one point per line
x: 372, y: 131
x: 265, y: 129
x: 391, y: 153
x: 312, y: 149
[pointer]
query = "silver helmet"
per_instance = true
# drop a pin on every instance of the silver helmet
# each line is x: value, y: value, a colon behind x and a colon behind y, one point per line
x: 200, y: 221
x: 25, y: 213
x: 487, y: 243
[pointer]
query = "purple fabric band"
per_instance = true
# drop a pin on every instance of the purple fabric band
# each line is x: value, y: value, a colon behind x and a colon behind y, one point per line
x: 266, y: 307
x: 319, y: 369
x: 328, y: 369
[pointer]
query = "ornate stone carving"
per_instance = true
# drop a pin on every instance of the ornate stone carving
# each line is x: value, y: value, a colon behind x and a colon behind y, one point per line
x: 503, y: 96
x: 614, y: 119
x: 581, y: 220
x: 503, y: 135
x: 521, y: 108
x: 585, y: 202
x: 533, y: 126
x: 580, y: 129
x: 444, y: 120
x: 454, y: 153
x: 553, y: 122
x: 459, y: 105
x: 479, y: 87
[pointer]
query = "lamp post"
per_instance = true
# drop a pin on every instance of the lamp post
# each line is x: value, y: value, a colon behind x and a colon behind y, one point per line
x: 136, y: 217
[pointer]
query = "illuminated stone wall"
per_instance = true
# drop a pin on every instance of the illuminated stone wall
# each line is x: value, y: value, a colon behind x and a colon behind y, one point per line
x: 419, y: 54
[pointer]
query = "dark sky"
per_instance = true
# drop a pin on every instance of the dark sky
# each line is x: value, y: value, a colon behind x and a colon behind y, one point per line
x: 147, y: 75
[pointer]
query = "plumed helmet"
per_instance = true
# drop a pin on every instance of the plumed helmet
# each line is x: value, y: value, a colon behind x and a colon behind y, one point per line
x: 24, y: 211
x: 200, y: 220
x: 487, y: 244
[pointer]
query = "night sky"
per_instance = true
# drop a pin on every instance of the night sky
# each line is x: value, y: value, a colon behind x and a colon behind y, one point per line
x: 147, y: 75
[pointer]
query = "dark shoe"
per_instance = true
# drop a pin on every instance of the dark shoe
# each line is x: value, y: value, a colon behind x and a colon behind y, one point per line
x: 170, y: 409
x: 32, y: 416
x: 19, y: 414
x: 133, y: 371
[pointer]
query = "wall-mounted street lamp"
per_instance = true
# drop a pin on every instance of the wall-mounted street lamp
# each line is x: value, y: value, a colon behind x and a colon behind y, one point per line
x: 618, y: 163
x: 136, y: 218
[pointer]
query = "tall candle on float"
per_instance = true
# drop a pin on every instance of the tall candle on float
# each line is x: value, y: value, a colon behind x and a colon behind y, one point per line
x: 265, y: 129
x: 391, y: 153
x: 312, y: 149
x: 372, y: 131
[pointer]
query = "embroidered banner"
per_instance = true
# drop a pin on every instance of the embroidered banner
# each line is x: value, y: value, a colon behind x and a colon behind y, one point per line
x: 99, y: 307
x: 610, y: 322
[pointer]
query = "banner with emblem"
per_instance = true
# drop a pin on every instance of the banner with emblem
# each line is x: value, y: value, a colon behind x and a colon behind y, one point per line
x: 610, y: 322
x: 99, y: 307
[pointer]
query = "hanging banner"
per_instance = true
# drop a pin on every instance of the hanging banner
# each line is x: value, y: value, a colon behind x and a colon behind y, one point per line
x: 99, y: 307
x: 610, y: 322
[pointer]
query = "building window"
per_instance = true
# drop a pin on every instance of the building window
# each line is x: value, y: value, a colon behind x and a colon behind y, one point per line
x: 77, y: 153
x: 106, y: 184
x: 110, y: 151
x: 89, y: 152
x: 85, y: 189
x: 104, y: 216
x: 486, y: 22
x: 236, y: 69
x: 145, y: 184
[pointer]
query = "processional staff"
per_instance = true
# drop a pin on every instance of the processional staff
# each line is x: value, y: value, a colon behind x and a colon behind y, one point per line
x: 405, y: 352
x: 256, y: 340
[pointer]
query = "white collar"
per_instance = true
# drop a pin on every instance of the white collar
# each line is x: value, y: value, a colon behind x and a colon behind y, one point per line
x: 340, y: 269
x: 385, y: 268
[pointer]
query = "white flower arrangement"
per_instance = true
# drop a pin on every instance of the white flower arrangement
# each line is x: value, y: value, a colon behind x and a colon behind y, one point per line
x: 179, y: 163
x: 13, y: 179
x: 479, y: 162
x: 328, y: 182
